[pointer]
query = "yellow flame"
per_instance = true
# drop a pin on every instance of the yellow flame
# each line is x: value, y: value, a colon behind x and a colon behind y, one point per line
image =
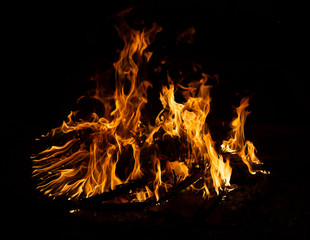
x: 157, y: 182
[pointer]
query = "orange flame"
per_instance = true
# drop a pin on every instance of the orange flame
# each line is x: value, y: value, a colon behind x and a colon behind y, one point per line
x: 106, y: 151
x: 237, y: 143
x: 97, y: 163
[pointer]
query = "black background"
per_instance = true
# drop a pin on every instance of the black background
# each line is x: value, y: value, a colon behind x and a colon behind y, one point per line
x: 256, y: 47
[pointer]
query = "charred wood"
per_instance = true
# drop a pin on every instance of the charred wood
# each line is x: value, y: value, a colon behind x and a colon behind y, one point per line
x: 96, y: 201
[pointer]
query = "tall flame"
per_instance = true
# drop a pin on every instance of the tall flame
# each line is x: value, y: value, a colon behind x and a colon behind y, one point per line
x: 104, y: 152
x: 237, y: 143
x: 92, y: 167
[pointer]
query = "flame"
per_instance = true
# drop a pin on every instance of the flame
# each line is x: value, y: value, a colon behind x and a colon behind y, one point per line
x: 104, y: 152
x: 188, y: 121
x: 237, y: 143
x: 158, y: 182
x: 92, y: 169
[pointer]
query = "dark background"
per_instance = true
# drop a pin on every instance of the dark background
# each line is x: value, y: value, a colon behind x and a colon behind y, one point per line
x: 256, y: 47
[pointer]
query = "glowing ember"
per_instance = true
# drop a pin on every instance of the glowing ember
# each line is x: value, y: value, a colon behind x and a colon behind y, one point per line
x: 104, y: 152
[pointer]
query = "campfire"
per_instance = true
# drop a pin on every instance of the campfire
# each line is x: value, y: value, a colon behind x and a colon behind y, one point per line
x: 117, y: 155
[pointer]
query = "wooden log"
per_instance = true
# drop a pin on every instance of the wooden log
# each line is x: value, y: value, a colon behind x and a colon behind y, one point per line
x: 131, y: 186
x: 95, y: 203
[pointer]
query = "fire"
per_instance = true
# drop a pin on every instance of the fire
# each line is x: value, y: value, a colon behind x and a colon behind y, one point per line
x: 105, y: 152
x: 237, y: 143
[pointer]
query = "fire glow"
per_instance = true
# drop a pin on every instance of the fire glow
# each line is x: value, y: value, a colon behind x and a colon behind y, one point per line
x: 120, y: 147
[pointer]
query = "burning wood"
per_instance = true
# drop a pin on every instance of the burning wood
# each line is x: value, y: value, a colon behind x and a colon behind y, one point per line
x: 119, y: 158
